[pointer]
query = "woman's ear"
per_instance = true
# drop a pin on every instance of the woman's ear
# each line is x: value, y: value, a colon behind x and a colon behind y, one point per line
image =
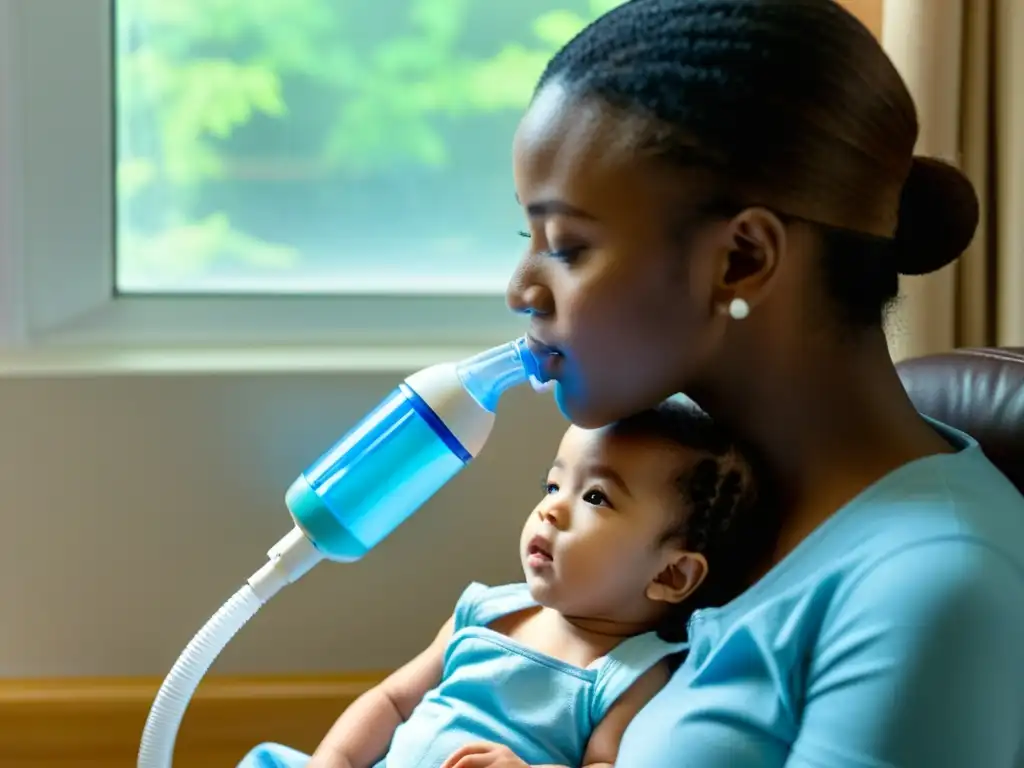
x: 679, y: 579
x: 757, y: 239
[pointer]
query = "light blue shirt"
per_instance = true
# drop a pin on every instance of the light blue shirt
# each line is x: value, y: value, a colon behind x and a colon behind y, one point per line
x: 892, y: 636
x: 496, y: 689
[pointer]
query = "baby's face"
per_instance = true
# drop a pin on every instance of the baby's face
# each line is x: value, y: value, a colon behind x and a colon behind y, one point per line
x: 594, y: 546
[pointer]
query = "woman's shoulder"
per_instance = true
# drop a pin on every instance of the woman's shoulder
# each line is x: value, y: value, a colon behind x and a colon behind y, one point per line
x: 949, y: 532
x: 942, y: 498
x: 949, y: 497
x: 942, y: 518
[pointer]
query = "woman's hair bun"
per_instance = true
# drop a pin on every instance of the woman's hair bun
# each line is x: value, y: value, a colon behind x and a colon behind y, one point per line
x: 938, y: 217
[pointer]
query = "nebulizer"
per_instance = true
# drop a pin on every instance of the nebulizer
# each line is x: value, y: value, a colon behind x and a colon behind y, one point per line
x: 351, y: 498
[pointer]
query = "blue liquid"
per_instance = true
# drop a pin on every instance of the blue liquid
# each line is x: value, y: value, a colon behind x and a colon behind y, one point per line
x: 375, y: 477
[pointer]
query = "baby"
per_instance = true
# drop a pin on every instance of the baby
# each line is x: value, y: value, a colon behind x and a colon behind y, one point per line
x: 641, y: 523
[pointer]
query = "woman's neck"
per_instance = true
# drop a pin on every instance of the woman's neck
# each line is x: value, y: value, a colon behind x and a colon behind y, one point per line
x: 828, y: 419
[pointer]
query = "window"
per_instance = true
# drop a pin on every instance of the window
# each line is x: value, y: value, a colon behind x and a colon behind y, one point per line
x: 270, y: 170
x: 318, y: 146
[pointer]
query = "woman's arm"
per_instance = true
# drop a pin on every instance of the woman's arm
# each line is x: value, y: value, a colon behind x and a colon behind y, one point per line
x: 920, y: 663
x: 361, y: 736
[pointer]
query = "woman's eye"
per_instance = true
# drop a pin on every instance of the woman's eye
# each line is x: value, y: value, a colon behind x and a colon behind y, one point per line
x: 566, y: 255
x: 597, y: 498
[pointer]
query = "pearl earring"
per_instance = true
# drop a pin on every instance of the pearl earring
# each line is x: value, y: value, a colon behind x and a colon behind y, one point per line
x: 738, y: 309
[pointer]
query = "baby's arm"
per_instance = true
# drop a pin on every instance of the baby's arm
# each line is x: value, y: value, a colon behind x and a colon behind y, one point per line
x: 361, y: 736
x: 603, y: 747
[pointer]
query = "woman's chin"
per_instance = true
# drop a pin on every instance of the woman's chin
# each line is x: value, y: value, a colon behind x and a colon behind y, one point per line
x: 572, y: 408
x: 583, y: 413
x: 563, y: 401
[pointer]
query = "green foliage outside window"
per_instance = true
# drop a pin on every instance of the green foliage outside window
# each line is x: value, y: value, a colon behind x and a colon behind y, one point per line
x: 238, y: 118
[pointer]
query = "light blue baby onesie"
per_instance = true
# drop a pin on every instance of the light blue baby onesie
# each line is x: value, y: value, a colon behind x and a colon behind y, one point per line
x: 495, y: 689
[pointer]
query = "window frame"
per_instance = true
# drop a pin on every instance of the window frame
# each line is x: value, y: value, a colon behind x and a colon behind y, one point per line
x: 57, y: 223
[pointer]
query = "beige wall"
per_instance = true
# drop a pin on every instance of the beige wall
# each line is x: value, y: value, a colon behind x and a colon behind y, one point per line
x: 868, y: 11
x: 133, y: 505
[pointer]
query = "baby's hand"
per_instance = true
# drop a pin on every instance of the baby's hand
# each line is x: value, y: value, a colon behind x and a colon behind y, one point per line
x: 484, y: 755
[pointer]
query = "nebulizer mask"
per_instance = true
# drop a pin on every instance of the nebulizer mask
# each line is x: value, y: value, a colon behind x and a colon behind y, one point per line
x: 351, y: 498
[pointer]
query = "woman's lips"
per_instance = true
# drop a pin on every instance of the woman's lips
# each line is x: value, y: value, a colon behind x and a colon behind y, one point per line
x: 548, y: 358
x: 542, y: 386
x: 540, y: 348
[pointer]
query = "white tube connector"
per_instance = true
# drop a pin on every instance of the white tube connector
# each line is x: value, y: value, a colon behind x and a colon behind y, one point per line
x: 289, y: 560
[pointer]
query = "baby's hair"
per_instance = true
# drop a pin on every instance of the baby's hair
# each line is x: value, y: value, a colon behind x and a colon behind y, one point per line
x: 726, y: 513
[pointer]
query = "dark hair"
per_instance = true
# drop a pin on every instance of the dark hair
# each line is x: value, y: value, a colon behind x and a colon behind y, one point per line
x: 794, y: 106
x: 726, y: 510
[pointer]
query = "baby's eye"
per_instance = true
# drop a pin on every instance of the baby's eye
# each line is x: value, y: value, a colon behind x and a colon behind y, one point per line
x: 597, y: 498
x: 550, y: 488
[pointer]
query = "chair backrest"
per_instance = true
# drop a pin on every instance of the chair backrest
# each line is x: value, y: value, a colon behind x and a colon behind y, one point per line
x: 979, y: 391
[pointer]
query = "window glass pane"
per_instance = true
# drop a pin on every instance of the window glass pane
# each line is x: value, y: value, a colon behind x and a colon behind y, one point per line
x: 325, y: 145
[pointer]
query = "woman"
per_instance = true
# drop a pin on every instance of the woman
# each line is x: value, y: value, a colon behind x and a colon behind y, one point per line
x: 720, y: 196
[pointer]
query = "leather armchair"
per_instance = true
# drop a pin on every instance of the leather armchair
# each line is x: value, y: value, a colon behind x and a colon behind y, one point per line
x: 979, y: 391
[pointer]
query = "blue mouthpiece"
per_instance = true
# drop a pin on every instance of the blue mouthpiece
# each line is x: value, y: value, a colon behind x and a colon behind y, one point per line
x: 487, y: 375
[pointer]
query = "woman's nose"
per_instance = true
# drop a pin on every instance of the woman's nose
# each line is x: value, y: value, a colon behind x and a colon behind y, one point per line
x: 527, y: 296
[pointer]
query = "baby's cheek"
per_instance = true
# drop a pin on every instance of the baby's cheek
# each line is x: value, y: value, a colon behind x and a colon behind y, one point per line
x: 613, y: 567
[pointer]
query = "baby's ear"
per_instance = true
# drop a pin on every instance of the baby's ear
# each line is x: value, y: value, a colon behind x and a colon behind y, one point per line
x: 679, y: 579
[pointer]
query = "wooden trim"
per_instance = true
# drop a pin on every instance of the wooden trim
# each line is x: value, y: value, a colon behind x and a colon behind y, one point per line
x: 97, y: 723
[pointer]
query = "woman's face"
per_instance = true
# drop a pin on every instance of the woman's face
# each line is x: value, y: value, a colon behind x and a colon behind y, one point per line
x: 608, y: 280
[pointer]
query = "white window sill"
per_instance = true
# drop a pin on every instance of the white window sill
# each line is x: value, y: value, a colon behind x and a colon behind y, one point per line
x: 72, y: 362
